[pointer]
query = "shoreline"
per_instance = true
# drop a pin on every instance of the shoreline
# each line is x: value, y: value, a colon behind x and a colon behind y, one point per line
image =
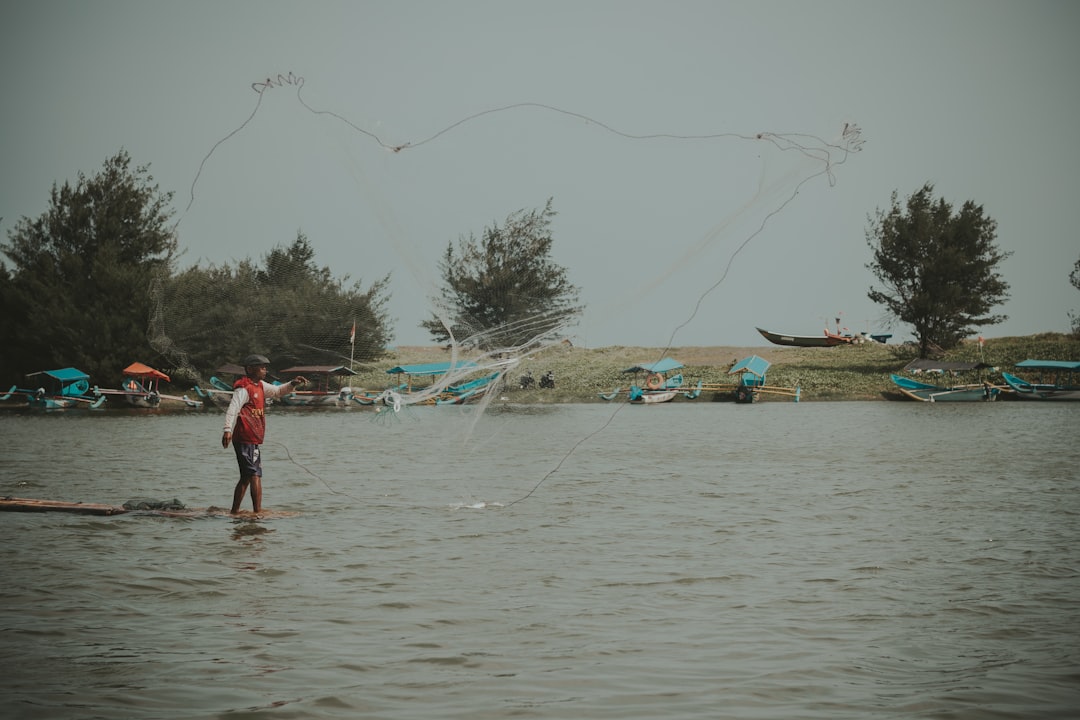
x: 839, y: 373
x: 582, y: 375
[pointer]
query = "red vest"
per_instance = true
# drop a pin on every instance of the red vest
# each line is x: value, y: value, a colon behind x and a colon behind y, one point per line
x: 251, y: 422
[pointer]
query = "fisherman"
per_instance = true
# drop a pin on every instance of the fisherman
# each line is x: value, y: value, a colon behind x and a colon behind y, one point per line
x: 247, y: 415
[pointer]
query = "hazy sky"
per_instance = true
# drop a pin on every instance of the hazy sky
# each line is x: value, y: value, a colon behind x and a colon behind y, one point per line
x: 978, y: 97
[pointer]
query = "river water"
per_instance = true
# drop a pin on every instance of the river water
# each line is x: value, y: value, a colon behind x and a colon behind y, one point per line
x: 691, y: 560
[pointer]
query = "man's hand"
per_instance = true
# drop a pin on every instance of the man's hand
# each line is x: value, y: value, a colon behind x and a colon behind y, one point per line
x: 299, y: 380
x: 226, y: 437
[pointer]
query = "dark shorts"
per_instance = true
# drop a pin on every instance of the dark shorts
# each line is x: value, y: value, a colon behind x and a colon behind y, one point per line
x: 248, y: 458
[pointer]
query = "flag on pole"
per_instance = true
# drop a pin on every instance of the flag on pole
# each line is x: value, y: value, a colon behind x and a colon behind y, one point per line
x: 352, y: 334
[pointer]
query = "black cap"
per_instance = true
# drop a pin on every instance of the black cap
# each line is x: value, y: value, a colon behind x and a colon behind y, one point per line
x: 252, y: 360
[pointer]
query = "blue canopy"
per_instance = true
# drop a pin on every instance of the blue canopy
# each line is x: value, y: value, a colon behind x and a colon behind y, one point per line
x: 754, y: 365
x: 660, y: 366
x: 70, y: 382
x: 64, y: 375
x: 1050, y: 365
x: 432, y: 368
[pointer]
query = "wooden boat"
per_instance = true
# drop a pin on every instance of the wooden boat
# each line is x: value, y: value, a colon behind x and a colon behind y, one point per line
x: 59, y: 390
x: 1057, y: 380
x: 927, y: 392
x: 798, y: 340
x: 826, y: 339
x: 322, y: 394
x: 141, y: 388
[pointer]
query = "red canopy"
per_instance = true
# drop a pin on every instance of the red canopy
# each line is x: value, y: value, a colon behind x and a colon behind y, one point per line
x: 144, y: 371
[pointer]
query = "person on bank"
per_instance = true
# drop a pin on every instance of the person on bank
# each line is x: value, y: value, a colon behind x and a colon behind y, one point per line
x: 245, y: 426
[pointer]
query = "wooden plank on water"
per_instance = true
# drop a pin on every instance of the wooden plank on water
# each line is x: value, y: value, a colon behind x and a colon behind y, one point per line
x: 15, y: 504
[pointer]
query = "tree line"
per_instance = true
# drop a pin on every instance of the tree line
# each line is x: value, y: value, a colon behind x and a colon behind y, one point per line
x: 92, y: 283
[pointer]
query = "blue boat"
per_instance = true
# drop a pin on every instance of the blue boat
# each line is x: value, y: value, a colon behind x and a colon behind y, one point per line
x: 750, y: 372
x: 1058, y: 380
x: 220, y: 391
x: 59, y: 390
x: 658, y: 387
x: 451, y: 388
x: 751, y: 383
x: 928, y: 392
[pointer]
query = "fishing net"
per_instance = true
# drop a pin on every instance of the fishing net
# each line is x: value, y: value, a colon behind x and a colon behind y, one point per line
x: 368, y: 236
x: 153, y: 504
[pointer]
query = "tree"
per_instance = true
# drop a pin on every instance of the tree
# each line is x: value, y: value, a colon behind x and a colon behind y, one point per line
x: 504, y: 290
x: 77, y: 290
x: 939, y: 269
x: 289, y: 309
x: 307, y: 314
x: 1074, y: 278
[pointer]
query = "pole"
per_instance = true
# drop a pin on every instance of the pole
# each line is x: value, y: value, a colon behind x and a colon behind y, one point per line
x: 352, y: 344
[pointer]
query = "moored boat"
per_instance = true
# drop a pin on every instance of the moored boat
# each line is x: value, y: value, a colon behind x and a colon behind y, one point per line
x: 823, y: 340
x: 322, y: 394
x: 928, y: 392
x: 466, y: 392
x: 60, y: 389
x: 1058, y: 380
x: 450, y: 383
x: 638, y: 396
x: 657, y: 387
x: 220, y: 391
x: 828, y: 338
x: 141, y: 388
x: 750, y: 378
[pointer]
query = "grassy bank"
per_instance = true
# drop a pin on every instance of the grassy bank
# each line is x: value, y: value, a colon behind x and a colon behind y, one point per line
x: 849, y: 372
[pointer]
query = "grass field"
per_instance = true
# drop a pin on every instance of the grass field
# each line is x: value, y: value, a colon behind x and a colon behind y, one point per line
x: 847, y: 372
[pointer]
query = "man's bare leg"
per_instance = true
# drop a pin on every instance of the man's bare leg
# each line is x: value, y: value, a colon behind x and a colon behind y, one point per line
x: 241, y: 489
x: 256, y: 493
